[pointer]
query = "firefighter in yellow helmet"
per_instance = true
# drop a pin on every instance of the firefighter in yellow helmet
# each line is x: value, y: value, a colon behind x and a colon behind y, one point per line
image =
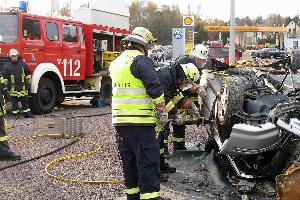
x: 137, y: 105
x: 17, y: 75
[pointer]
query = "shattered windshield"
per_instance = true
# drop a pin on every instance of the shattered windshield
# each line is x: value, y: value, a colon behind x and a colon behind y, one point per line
x: 8, y: 28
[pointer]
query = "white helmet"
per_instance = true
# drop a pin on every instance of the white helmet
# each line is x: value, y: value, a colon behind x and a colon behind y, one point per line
x: 142, y: 36
x: 13, y: 52
x: 200, y: 51
x: 191, y: 72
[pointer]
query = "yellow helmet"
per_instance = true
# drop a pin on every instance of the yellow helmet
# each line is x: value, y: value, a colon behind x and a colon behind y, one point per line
x: 191, y: 72
x: 141, y: 36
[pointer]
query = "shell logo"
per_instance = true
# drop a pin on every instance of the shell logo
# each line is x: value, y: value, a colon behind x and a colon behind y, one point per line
x: 188, y: 21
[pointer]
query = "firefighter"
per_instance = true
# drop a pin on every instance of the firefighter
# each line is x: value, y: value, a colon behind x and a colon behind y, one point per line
x: 5, y: 151
x: 198, y: 57
x: 137, y: 93
x: 16, y: 73
x: 175, y: 78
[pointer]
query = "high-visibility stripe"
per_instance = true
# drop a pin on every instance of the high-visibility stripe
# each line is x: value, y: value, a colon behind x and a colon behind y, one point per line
x: 129, y: 91
x: 5, y: 126
x: 159, y: 99
x: 151, y: 195
x: 177, y: 98
x: 133, y: 120
x: 132, y: 190
x: 26, y: 110
x: 132, y: 101
x: 132, y: 106
x: 166, y: 141
x: 3, y: 138
x: 15, y: 111
x: 178, y: 139
x: 170, y: 106
x: 12, y: 80
x: 28, y: 77
x: 5, y: 80
x: 194, y: 99
x: 161, y: 151
x: 2, y: 80
x: 133, y: 112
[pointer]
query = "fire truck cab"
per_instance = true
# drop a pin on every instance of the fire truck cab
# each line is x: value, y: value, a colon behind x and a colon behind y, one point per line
x: 66, y: 58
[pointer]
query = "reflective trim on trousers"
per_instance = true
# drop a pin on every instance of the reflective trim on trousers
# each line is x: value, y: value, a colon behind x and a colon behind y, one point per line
x: 132, y: 190
x: 3, y: 138
x: 25, y: 111
x: 150, y: 195
x: 166, y: 141
x: 129, y: 91
x: 178, y: 139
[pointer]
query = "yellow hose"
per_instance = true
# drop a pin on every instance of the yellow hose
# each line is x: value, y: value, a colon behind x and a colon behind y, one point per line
x: 60, y: 159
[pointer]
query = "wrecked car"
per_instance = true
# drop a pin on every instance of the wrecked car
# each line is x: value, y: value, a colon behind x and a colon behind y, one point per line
x: 253, y: 117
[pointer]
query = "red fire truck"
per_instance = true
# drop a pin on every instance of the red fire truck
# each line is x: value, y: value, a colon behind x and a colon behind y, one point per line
x: 221, y: 53
x: 66, y: 58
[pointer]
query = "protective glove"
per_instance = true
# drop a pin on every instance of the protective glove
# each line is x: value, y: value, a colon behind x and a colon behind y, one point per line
x: 193, y: 110
x: 201, y: 90
x: 178, y: 119
x: 161, y: 113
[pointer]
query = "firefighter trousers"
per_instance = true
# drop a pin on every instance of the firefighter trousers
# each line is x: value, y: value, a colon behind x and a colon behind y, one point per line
x: 139, y: 153
x: 15, y: 105
x: 4, y: 147
x: 178, y: 136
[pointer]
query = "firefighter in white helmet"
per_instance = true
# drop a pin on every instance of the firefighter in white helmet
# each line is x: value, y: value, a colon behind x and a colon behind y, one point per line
x: 197, y: 57
x: 137, y: 104
x: 16, y: 73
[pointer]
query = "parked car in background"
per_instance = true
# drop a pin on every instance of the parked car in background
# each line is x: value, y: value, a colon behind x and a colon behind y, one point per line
x: 221, y: 53
x: 272, y: 53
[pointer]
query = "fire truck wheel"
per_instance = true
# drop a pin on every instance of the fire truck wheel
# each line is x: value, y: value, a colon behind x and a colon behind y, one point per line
x: 44, y: 100
x: 106, y: 91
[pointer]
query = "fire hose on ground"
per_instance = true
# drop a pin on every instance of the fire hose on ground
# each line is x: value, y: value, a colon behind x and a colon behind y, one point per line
x: 63, y: 158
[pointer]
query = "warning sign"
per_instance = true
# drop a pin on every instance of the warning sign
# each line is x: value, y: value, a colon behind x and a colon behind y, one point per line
x: 188, y: 21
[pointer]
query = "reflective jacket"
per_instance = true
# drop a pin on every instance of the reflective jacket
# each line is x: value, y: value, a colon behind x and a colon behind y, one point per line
x: 18, y: 78
x: 131, y: 104
x: 2, y: 100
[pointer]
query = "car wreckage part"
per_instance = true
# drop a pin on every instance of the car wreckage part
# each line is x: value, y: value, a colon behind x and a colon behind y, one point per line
x: 248, y: 140
x: 288, y: 184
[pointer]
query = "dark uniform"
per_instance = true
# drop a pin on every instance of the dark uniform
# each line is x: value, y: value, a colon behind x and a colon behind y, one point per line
x: 179, y: 130
x: 18, y: 78
x: 173, y: 99
x: 135, y: 86
x: 5, y: 152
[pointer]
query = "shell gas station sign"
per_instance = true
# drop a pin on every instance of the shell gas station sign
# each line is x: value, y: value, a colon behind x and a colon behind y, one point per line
x: 188, y: 24
x: 188, y: 21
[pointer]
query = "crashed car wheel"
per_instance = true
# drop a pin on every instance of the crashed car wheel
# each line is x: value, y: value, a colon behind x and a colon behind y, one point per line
x: 230, y: 99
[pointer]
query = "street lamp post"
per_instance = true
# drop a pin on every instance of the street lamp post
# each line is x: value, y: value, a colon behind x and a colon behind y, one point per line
x: 232, y: 33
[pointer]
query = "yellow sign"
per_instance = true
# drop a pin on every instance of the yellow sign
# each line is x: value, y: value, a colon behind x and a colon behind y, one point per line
x: 188, y: 47
x: 246, y: 28
x: 188, y: 21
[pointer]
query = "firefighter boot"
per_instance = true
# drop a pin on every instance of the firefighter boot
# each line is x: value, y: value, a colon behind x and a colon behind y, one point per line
x: 164, y: 177
x: 10, y: 157
x: 165, y: 167
x: 28, y: 115
x: 133, y: 196
x: 179, y: 146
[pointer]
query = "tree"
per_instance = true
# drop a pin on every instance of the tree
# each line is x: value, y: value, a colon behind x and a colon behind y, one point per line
x: 65, y: 11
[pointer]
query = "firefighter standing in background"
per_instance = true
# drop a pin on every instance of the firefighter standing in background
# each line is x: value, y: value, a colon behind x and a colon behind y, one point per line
x: 5, y: 152
x: 198, y: 57
x: 137, y: 93
x: 16, y: 73
x: 173, y: 79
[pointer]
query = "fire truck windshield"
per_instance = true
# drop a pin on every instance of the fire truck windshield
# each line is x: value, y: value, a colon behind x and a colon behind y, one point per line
x: 8, y: 28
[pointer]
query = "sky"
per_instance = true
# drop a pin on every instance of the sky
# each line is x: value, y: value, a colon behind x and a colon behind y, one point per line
x: 206, y: 8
